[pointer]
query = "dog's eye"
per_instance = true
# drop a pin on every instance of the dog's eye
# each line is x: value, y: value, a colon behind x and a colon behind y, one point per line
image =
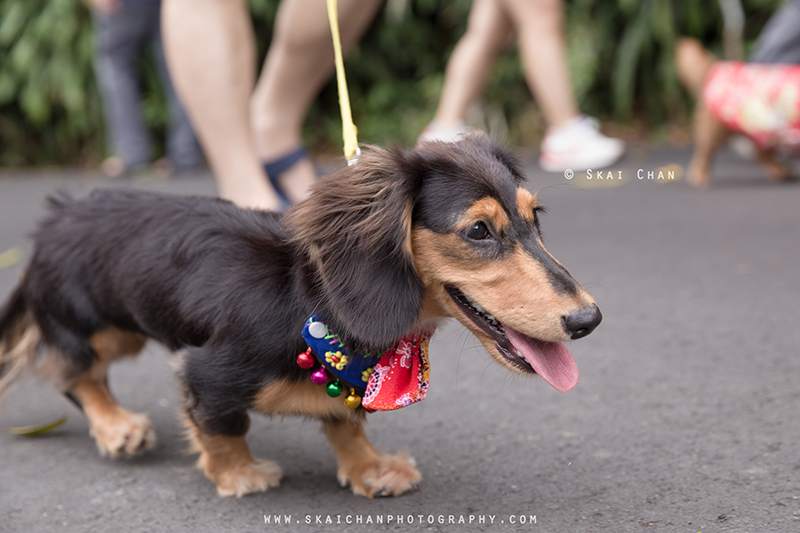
x: 478, y: 231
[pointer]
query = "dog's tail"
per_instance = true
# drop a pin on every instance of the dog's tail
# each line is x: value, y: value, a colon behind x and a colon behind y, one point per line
x: 692, y: 62
x: 19, y: 340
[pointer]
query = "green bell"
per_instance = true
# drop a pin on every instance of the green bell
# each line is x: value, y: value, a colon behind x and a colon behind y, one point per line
x: 333, y: 389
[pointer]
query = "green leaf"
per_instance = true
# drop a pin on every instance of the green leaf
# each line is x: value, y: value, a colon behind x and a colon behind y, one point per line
x: 624, y: 75
x: 11, y: 257
x: 13, y: 21
x: 8, y: 87
x: 663, y: 22
x: 34, y: 104
x: 23, y: 53
x: 35, y: 431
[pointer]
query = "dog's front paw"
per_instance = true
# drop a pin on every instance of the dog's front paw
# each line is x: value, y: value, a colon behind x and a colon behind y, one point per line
x: 123, y: 433
x: 244, y: 478
x: 389, y: 475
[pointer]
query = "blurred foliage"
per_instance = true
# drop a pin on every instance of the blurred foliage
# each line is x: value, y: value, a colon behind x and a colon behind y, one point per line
x: 620, y: 58
x: 49, y: 109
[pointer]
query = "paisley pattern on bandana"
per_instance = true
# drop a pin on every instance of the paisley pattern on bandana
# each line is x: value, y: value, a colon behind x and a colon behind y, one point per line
x: 403, y: 376
x: 374, y: 383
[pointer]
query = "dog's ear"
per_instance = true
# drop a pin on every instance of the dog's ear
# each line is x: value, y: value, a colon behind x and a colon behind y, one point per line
x: 355, y: 229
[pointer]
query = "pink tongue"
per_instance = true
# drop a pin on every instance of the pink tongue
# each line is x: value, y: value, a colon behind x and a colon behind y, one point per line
x: 551, y: 360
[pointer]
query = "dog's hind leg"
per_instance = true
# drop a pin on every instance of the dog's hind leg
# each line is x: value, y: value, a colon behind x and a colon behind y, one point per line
x: 117, y: 431
x: 20, y: 338
x: 776, y: 170
x: 368, y: 472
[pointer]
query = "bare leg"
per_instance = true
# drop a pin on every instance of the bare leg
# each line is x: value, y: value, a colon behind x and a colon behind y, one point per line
x: 539, y: 25
x: 488, y: 32
x: 299, y: 62
x: 209, y: 46
x: 368, y: 472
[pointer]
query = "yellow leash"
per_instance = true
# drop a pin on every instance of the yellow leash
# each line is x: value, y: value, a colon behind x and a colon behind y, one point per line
x: 349, y: 130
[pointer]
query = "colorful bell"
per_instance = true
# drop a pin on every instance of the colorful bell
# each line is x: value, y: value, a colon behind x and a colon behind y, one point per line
x: 353, y: 400
x: 306, y: 360
x: 319, y: 377
x: 333, y: 389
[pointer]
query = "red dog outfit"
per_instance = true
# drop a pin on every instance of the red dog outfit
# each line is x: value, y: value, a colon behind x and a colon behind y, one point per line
x: 758, y: 100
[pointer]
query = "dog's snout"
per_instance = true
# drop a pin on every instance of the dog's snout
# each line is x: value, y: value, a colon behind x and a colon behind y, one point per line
x: 582, y: 322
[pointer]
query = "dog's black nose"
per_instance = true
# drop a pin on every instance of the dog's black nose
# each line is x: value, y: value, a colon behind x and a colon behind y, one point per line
x: 582, y: 322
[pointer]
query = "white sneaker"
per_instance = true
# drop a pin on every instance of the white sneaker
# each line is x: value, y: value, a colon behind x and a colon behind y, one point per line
x: 436, y: 132
x: 579, y: 145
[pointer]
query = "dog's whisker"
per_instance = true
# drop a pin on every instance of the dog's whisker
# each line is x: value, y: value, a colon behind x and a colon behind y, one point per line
x: 591, y: 284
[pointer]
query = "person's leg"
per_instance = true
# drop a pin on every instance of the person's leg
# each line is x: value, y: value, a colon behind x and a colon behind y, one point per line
x: 299, y: 62
x: 573, y: 141
x: 119, y: 39
x: 182, y: 150
x: 779, y: 41
x: 540, y: 30
x: 488, y: 32
x: 210, y: 49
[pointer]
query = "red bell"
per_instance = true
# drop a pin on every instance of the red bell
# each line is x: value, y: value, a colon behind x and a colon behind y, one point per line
x: 305, y: 359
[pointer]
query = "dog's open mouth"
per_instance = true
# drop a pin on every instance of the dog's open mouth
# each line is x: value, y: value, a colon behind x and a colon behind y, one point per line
x: 551, y: 360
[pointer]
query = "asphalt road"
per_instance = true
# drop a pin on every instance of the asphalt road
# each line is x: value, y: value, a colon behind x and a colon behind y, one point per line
x: 685, y: 418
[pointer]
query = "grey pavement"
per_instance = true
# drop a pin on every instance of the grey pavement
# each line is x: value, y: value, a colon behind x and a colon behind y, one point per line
x: 685, y: 418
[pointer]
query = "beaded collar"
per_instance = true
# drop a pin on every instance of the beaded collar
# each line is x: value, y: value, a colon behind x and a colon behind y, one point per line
x: 378, y: 382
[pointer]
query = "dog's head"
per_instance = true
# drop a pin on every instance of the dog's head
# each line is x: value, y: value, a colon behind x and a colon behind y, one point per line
x: 405, y: 237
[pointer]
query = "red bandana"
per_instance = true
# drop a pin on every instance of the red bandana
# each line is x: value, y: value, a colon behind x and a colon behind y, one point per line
x: 401, y: 376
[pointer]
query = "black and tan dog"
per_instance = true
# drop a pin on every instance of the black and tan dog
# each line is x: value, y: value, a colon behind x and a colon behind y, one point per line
x: 391, y: 245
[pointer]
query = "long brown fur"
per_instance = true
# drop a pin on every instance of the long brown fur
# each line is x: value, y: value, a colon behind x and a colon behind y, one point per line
x: 383, y: 249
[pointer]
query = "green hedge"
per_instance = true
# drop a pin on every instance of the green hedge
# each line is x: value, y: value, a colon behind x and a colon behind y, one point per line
x: 620, y: 60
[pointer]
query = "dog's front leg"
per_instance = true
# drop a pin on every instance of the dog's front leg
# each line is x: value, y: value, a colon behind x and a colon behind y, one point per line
x: 709, y: 135
x: 227, y: 461
x: 368, y: 472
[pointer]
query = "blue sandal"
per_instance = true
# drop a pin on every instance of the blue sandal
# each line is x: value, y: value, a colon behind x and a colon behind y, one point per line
x: 275, y: 168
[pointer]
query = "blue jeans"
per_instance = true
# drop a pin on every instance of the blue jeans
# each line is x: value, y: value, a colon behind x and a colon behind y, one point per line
x: 779, y: 41
x: 120, y: 41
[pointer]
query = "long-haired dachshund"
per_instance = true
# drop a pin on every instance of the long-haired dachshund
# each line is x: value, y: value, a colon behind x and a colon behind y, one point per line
x: 382, y: 249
